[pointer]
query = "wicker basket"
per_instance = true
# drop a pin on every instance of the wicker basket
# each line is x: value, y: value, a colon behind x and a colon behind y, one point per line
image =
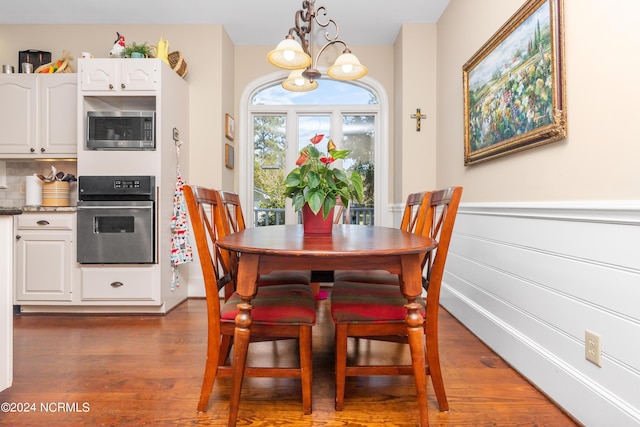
x: 63, y: 68
x: 178, y: 64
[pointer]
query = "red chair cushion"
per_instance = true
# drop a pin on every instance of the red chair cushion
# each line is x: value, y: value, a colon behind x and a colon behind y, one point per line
x: 276, y: 305
x: 353, y: 302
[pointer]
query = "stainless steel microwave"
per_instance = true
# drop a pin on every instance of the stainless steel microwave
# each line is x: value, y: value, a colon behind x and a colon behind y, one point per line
x: 121, y: 130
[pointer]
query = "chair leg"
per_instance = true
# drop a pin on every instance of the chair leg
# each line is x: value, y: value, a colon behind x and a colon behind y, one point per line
x: 242, y: 336
x: 433, y: 361
x: 306, y: 367
x: 210, y: 372
x: 340, y: 364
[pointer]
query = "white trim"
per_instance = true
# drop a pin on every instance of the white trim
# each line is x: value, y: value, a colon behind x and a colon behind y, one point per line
x: 609, y: 211
x: 6, y: 302
x: 382, y: 213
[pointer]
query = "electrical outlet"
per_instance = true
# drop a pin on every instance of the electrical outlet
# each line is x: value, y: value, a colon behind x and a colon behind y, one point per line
x: 593, y: 347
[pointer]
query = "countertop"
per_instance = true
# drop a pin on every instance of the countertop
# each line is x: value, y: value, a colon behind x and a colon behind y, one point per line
x: 49, y: 208
x: 10, y: 211
x: 4, y: 210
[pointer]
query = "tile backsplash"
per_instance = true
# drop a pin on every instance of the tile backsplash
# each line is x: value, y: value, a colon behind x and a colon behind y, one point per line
x: 15, y: 194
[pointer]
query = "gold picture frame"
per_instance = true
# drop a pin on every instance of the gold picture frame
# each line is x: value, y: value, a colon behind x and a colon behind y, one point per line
x: 229, y: 127
x: 514, y: 96
x: 228, y: 156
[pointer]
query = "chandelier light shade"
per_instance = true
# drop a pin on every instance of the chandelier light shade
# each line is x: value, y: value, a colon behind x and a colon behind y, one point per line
x: 347, y: 67
x: 291, y: 54
x: 296, y: 82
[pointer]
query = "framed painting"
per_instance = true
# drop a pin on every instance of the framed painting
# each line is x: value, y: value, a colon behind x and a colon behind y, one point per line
x: 228, y: 156
x: 514, y: 95
x: 229, y: 127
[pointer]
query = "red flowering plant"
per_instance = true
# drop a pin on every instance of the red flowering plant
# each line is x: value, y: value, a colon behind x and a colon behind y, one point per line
x: 315, y: 183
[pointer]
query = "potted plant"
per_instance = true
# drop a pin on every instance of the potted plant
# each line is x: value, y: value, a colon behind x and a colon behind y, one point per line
x: 134, y: 50
x: 314, y: 185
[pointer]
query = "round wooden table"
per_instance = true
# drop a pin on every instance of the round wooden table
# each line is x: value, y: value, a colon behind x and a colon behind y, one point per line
x: 348, y: 247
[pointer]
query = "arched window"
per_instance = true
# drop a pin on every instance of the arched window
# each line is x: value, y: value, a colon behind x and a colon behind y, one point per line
x: 281, y: 123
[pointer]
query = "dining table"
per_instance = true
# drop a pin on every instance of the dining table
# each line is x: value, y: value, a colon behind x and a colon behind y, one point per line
x: 348, y: 247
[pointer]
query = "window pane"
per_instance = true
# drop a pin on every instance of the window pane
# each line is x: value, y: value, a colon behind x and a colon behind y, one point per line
x: 359, y: 137
x: 329, y: 92
x: 310, y: 126
x: 269, y: 148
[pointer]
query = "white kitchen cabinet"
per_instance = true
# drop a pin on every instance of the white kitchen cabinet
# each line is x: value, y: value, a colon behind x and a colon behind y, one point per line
x: 132, y: 285
x: 118, y: 76
x: 44, y: 257
x: 38, y: 115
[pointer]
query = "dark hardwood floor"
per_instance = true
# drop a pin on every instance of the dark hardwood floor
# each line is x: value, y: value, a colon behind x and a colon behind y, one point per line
x: 146, y: 370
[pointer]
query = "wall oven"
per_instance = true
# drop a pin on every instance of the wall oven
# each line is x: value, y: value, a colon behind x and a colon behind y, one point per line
x: 116, y: 220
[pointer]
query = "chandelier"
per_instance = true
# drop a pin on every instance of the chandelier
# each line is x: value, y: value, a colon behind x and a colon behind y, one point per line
x: 291, y: 54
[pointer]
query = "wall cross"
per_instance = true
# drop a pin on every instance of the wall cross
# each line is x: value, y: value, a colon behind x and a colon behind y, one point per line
x: 418, y: 118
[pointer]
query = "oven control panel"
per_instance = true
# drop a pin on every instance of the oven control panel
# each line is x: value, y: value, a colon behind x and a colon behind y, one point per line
x: 92, y: 188
x: 131, y: 183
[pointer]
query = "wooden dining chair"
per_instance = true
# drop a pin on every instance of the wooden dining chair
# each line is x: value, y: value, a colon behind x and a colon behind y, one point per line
x: 235, y: 216
x: 377, y: 311
x: 413, y: 219
x: 279, y: 311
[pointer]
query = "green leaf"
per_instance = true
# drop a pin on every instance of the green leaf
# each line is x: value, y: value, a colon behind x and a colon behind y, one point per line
x: 340, y: 154
x: 316, y: 199
x: 293, y: 179
x: 329, y: 202
x: 313, y: 151
x: 356, y: 181
x: 314, y: 179
x: 298, y: 201
x: 340, y: 175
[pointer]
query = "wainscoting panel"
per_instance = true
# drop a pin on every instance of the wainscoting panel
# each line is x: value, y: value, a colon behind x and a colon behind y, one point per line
x: 529, y: 279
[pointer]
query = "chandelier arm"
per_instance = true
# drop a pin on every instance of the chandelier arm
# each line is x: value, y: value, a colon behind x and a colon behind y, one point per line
x: 302, y: 30
x: 331, y: 42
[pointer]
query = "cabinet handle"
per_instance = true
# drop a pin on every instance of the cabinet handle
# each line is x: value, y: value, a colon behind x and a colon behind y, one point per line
x: 117, y: 284
x: 43, y: 222
x: 33, y: 150
x: 18, y: 237
x: 122, y: 86
x: 42, y: 150
x: 110, y: 86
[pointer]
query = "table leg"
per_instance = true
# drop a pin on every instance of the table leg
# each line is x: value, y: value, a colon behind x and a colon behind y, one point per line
x: 246, y: 288
x: 241, y: 338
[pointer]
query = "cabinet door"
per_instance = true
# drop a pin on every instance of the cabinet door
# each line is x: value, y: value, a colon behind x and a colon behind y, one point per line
x: 58, y: 114
x: 18, y: 114
x: 43, y: 266
x: 98, y: 74
x: 139, y: 74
